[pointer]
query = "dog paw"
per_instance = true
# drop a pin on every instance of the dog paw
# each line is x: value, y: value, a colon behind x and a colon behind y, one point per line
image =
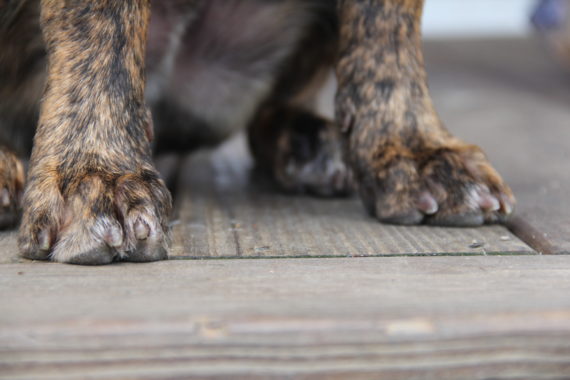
x: 449, y: 186
x: 11, y: 188
x: 96, y: 218
x: 310, y: 161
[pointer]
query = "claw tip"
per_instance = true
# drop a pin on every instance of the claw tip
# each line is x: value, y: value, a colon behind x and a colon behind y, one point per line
x: 141, y: 230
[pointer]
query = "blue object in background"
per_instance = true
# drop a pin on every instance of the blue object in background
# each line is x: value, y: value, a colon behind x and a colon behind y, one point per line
x: 549, y: 14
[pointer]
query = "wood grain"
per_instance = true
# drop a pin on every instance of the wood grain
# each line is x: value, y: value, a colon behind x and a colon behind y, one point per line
x: 366, y: 318
x: 228, y: 211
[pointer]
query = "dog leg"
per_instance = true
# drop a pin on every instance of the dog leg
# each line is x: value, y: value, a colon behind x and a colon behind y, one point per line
x: 93, y: 194
x: 298, y: 148
x: 408, y: 167
x: 11, y: 187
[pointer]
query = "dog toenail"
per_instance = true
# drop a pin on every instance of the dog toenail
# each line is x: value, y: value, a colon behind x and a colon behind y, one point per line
x: 141, y: 230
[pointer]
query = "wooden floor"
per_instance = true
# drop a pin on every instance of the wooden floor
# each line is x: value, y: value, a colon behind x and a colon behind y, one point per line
x: 337, y: 295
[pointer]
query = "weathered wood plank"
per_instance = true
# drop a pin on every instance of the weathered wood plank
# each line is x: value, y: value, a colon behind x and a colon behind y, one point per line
x: 520, y: 357
x: 400, y: 317
x: 226, y: 211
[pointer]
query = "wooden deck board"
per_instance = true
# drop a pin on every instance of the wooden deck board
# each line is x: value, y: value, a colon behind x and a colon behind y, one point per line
x: 401, y: 317
x: 225, y: 211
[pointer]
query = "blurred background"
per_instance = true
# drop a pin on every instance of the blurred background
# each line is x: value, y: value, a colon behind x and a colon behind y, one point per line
x: 549, y: 20
x: 477, y: 18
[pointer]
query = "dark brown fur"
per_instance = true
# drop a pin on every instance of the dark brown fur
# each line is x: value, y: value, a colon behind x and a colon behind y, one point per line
x: 93, y: 195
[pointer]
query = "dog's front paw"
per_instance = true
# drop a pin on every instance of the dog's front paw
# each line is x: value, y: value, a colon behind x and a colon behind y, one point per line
x: 95, y: 217
x: 453, y: 185
x: 11, y: 187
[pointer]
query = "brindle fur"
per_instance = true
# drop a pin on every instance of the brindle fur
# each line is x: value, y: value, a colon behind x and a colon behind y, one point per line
x: 408, y: 166
x: 93, y: 195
